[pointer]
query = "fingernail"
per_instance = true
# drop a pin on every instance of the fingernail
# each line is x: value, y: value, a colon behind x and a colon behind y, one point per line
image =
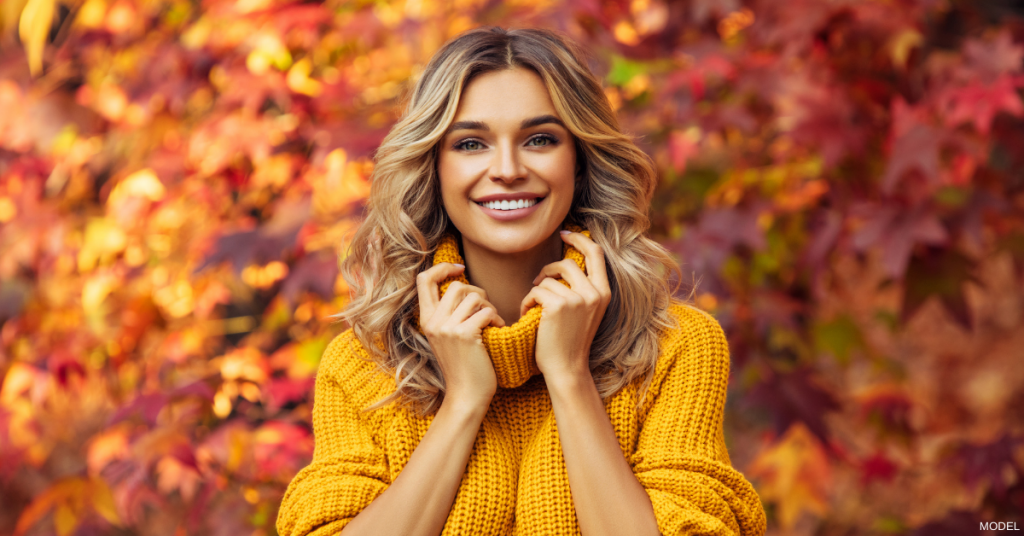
x: 459, y: 265
x: 564, y: 232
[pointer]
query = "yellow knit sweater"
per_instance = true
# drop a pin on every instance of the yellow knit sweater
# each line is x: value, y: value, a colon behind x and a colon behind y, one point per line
x: 516, y: 482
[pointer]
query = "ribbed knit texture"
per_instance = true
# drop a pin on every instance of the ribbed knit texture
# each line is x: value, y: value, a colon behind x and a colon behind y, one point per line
x: 516, y: 482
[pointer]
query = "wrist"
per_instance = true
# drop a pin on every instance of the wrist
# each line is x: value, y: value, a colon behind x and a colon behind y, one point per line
x: 466, y: 406
x: 569, y: 381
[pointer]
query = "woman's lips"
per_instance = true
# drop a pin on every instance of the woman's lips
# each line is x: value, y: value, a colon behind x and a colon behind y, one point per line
x: 510, y: 215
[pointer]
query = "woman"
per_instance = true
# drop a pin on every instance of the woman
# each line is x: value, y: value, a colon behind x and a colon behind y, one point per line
x: 516, y: 364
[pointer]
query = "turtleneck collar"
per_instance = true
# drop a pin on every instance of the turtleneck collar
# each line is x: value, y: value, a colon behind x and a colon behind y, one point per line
x: 512, y: 348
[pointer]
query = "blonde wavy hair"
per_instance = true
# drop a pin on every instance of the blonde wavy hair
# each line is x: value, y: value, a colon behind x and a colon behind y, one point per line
x: 406, y: 219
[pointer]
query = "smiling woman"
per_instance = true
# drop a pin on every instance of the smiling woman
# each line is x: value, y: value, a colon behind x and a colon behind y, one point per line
x: 517, y: 363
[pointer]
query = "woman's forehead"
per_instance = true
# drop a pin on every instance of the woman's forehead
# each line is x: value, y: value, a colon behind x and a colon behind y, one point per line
x: 505, y: 98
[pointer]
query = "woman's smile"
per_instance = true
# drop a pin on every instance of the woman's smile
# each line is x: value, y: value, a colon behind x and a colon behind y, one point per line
x: 509, y: 210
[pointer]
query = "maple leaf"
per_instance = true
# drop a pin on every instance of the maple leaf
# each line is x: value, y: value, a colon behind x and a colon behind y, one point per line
x: 939, y: 273
x: 267, y: 243
x: 819, y: 115
x: 914, y: 146
x: 877, y: 467
x: 706, y: 245
x: 148, y: 406
x: 796, y: 474
x: 888, y: 408
x: 896, y: 231
x: 793, y: 397
x: 994, y: 57
x: 979, y: 103
x: 284, y: 391
x: 989, y: 462
x: 315, y: 273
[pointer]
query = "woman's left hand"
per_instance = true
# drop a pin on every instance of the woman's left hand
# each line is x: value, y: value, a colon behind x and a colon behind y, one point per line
x: 570, y: 315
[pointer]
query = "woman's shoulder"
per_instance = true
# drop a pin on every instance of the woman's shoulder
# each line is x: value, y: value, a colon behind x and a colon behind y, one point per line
x: 696, y: 335
x: 348, y: 363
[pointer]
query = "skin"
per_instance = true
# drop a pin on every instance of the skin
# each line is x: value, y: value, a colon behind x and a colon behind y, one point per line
x: 512, y: 266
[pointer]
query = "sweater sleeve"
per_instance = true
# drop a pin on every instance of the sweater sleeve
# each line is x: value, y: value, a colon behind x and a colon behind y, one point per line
x: 681, y: 458
x: 349, y: 469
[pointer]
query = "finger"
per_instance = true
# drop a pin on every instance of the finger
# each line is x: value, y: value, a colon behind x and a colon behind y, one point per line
x: 568, y: 294
x: 456, y: 292
x: 566, y: 270
x: 580, y: 286
x: 470, y: 304
x: 484, y: 317
x: 537, y: 296
x: 593, y: 255
x: 427, y: 285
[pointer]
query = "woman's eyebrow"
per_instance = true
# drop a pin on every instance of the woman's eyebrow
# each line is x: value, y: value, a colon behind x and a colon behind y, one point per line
x: 527, y: 123
x: 541, y: 120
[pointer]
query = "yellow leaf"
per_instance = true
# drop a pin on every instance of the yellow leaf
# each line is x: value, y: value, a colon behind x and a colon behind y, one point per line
x: 173, y: 475
x: 64, y: 520
x: 103, y: 502
x: 299, y: 81
x: 625, y: 33
x: 34, y: 29
x: 20, y: 378
x: 142, y: 183
x: 103, y: 238
x: 92, y: 14
x: 795, y: 474
x: 111, y: 102
x: 61, y: 495
x: 96, y: 289
x: 10, y: 11
x: 902, y: 44
x: 275, y: 171
x: 106, y: 447
x: 8, y: 210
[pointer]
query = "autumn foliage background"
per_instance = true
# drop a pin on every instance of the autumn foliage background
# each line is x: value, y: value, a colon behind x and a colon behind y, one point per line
x: 845, y: 180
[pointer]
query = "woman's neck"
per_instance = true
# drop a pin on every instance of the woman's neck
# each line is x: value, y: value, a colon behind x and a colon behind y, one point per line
x: 508, y: 278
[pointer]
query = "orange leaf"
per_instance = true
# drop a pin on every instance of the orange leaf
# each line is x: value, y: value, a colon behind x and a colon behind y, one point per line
x: 795, y: 474
x: 34, y: 29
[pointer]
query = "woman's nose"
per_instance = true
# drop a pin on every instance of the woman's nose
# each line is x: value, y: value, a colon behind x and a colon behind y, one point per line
x: 507, y: 164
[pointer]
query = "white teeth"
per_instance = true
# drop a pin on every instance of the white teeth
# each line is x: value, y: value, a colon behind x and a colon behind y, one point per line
x: 510, y: 205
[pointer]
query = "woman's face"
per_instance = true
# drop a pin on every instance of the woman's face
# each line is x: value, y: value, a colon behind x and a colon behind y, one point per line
x: 507, y: 144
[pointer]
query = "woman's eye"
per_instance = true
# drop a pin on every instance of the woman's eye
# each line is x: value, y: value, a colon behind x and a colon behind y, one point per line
x: 469, y: 145
x: 541, y: 141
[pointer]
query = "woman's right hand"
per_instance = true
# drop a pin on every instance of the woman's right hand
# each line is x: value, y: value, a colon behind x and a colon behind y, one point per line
x: 454, y: 325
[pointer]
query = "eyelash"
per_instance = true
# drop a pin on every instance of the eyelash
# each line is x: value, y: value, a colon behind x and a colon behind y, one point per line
x: 460, y: 145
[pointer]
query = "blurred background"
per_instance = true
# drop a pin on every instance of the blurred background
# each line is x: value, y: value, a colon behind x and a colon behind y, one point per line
x: 843, y: 181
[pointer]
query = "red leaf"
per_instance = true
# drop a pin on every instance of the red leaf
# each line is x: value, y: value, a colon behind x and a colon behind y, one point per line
x: 877, y: 467
x: 896, y: 231
x: 315, y: 273
x: 793, y: 396
x: 268, y: 243
x: 914, y: 146
x: 942, y: 274
x: 989, y: 462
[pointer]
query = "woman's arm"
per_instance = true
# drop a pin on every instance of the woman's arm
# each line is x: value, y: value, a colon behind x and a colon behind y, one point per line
x: 607, y: 496
x: 419, y: 499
